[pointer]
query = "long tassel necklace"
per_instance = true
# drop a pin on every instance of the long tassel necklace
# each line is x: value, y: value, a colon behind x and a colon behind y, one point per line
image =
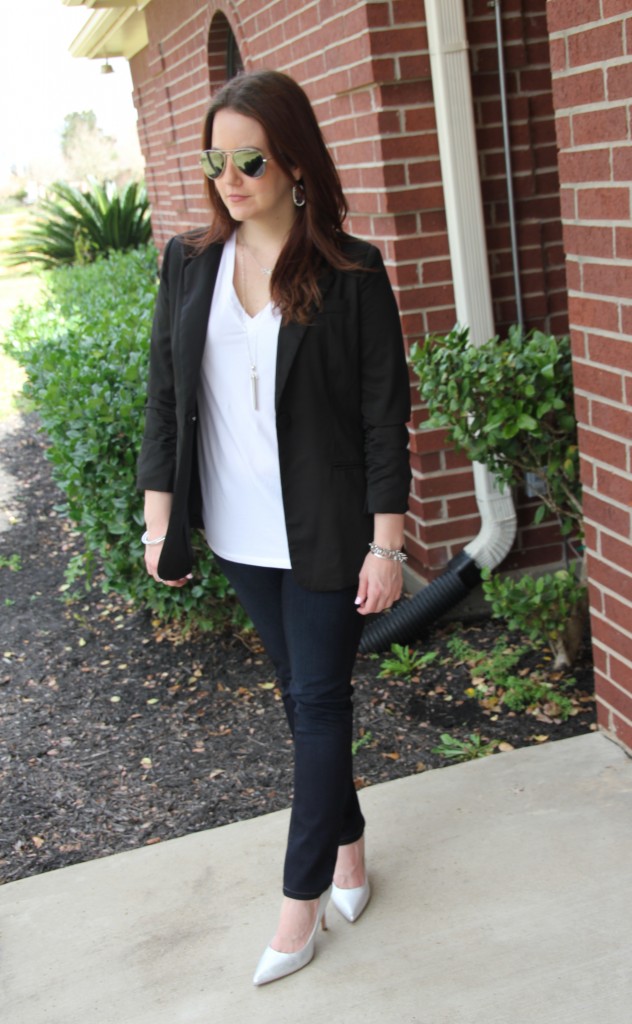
x: 254, y: 378
x: 242, y: 250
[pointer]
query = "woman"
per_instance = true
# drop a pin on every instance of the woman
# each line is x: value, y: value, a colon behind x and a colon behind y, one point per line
x: 276, y: 412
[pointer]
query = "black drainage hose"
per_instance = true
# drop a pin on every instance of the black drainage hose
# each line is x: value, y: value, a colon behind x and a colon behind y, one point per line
x: 408, y: 619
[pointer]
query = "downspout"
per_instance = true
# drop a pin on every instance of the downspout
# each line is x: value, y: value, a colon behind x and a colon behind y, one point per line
x: 451, y: 84
x: 496, y: 7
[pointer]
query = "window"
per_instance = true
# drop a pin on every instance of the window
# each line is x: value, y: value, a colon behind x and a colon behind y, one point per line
x: 224, y: 58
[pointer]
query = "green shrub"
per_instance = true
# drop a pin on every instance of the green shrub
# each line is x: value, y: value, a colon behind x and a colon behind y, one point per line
x: 71, y: 226
x: 85, y: 351
x: 509, y: 404
x: 550, y: 609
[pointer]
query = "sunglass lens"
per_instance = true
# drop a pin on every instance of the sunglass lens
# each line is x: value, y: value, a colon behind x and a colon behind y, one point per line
x: 213, y: 162
x: 250, y: 162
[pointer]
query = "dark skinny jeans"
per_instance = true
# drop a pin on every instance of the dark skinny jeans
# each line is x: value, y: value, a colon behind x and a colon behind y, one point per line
x: 312, y: 639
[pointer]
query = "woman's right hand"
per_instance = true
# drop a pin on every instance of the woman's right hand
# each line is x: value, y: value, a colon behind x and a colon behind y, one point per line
x: 152, y: 557
x: 157, y: 512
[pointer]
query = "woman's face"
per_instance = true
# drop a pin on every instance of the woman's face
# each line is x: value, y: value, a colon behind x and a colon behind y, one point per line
x: 265, y: 199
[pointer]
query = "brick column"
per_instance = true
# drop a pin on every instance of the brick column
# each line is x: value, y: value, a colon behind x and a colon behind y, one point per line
x: 591, y: 51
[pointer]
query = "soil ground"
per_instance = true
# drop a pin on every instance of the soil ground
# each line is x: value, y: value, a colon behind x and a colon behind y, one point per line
x: 113, y: 736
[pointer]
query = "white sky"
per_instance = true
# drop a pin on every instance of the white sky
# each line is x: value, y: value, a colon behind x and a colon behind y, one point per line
x: 40, y: 82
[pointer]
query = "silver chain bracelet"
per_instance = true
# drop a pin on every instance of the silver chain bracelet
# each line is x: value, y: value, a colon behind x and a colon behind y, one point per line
x: 393, y: 554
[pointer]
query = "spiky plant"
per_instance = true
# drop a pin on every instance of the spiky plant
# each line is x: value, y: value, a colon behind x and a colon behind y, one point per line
x: 70, y: 226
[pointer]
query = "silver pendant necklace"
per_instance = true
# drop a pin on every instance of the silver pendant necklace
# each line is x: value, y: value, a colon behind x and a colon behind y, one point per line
x: 264, y: 270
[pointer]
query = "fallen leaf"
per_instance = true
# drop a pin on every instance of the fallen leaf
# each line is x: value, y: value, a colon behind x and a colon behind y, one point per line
x: 146, y: 762
x: 392, y: 757
x: 504, y: 746
x: 37, y: 841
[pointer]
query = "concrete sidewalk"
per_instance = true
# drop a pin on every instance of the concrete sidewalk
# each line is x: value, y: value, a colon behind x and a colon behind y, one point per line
x: 502, y: 893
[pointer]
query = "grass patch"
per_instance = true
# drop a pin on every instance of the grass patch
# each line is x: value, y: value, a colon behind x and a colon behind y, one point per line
x: 16, y: 285
x: 12, y: 378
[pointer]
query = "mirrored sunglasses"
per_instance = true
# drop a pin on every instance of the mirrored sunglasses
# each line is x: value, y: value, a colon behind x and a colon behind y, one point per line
x: 250, y: 162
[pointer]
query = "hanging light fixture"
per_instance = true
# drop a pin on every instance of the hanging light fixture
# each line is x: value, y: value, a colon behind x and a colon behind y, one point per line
x: 106, y: 68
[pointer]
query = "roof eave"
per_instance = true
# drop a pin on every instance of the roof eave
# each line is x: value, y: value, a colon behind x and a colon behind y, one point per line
x: 116, y: 30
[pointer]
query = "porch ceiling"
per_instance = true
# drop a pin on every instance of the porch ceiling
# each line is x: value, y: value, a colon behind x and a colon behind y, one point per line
x: 116, y: 28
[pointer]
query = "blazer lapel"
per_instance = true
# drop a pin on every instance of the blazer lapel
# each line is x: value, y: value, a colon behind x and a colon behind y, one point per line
x: 290, y: 338
x: 200, y: 275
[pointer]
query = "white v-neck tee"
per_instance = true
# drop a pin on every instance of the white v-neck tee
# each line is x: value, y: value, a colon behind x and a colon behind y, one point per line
x: 237, y: 444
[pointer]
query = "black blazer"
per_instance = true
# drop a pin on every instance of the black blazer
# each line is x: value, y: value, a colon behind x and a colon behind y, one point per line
x: 342, y: 403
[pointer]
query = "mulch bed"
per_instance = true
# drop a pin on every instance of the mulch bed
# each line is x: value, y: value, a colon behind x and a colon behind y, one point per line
x: 113, y: 736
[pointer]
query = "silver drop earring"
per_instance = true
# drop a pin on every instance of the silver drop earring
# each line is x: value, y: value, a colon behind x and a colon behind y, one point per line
x: 298, y: 193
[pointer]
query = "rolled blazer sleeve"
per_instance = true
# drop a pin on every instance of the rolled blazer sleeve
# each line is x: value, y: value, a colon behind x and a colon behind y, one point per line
x: 385, y: 392
x: 157, y: 459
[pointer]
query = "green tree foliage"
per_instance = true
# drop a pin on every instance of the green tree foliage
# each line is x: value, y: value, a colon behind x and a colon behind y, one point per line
x: 85, y: 351
x: 71, y: 226
x: 88, y: 152
x: 74, y: 125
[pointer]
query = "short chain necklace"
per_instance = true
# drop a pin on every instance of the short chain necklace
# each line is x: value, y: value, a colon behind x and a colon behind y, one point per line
x: 264, y: 270
x: 254, y: 378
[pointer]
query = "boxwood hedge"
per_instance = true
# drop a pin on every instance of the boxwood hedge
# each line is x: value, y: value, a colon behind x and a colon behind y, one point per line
x: 85, y: 350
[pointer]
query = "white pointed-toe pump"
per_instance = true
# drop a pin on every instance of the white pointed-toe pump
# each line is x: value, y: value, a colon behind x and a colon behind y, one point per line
x: 274, y: 965
x: 351, y: 902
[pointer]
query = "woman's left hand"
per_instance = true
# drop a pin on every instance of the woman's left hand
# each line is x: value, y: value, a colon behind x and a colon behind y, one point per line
x: 381, y: 581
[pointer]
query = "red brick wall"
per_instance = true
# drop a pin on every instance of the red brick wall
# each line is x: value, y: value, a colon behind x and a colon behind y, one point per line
x: 591, y: 49
x: 366, y: 69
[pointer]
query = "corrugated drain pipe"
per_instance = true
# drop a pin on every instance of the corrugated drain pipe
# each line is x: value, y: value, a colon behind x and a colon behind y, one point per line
x: 449, y: 63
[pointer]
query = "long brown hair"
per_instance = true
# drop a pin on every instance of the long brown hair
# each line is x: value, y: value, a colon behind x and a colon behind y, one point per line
x: 283, y: 110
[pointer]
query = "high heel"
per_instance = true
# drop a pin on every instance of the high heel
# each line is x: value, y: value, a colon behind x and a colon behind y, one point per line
x: 351, y: 902
x: 274, y: 965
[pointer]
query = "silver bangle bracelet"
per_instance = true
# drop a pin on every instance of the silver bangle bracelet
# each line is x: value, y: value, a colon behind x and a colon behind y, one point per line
x: 145, y: 539
x: 392, y: 554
